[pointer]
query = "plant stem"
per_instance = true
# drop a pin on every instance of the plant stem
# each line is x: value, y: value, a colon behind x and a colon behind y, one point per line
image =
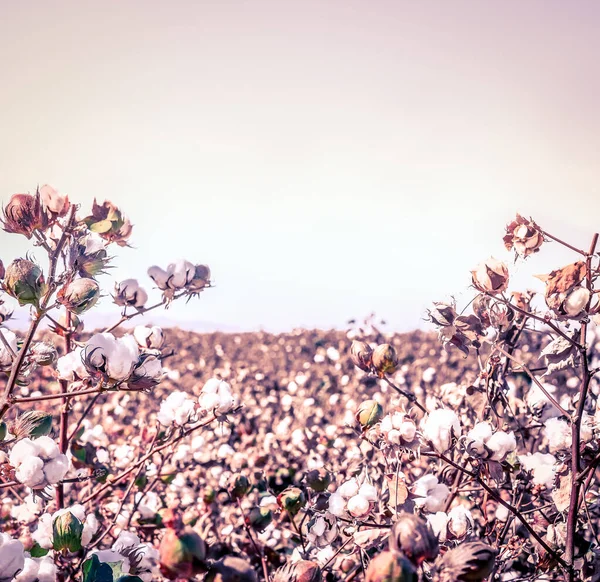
x: 572, y: 516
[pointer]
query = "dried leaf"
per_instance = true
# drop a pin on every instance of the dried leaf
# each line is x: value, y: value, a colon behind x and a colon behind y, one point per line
x: 563, y: 487
x: 398, y: 492
x: 562, y: 280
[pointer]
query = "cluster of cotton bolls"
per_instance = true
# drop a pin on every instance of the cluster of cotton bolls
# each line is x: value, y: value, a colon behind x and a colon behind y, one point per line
x: 559, y: 436
x: 354, y: 498
x: 177, y: 409
x: 455, y: 524
x: 126, y: 547
x: 542, y: 467
x: 482, y: 441
x: 440, y: 427
x: 28, y: 510
x: 43, y: 535
x: 430, y: 494
x: 179, y: 276
x: 38, y: 462
x: 398, y: 429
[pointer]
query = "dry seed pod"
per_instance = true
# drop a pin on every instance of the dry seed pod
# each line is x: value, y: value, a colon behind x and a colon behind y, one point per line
x: 385, y: 359
x: 413, y: 536
x: 469, y: 562
x: 391, y: 567
x: 300, y: 571
x: 361, y: 354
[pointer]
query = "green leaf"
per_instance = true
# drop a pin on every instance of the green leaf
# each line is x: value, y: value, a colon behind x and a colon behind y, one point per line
x: 96, y: 571
x: 101, y: 226
x: 37, y: 551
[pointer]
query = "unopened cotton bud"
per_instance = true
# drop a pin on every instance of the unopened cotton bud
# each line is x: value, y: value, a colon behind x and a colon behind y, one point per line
x: 413, y: 536
x: 292, y: 500
x: 79, y: 295
x: 390, y: 567
x: 67, y: 531
x: 470, y: 561
x: 361, y: 355
x: 259, y: 518
x: 24, y: 280
x: 491, y: 276
x: 32, y: 424
x: 385, y: 359
x: 239, y: 487
x: 318, y: 480
x: 369, y: 413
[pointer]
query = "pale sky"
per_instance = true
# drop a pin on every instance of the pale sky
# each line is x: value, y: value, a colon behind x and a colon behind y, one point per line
x: 325, y: 158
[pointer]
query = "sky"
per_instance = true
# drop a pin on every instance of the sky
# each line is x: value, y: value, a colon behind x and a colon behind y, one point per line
x: 326, y: 158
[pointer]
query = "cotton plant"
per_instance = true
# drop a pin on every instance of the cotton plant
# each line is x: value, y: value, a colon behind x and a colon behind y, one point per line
x: 55, y: 455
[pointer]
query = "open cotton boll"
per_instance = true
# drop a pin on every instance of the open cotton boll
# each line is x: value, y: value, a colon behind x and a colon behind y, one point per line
x: 38, y: 570
x: 368, y: 491
x: 22, y: 450
x: 5, y: 354
x: 439, y: 427
x: 71, y: 366
x: 12, y: 556
x: 31, y: 472
x: 358, y: 506
x: 478, y: 436
x: 439, y: 524
x: 177, y: 408
x: 558, y: 434
x: 542, y: 467
x: 501, y: 444
x: 337, y: 504
x: 460, y: 521
x: 430, y: 494
x: 348, y: 488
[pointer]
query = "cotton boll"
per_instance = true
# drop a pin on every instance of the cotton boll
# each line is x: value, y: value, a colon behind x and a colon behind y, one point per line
x: 348, y: 489
x: 460, y: 521
x: 56, y: 469
x: 439, y: 524
x: 358, y: 506
x: 47, y: 448
x: 501, y: 444
x: 439, y: 427
x: 337, y: 504
x: 430, y: 494
x: 542, y: 467
x: 558, y: 434
x: 478, y: 436
x: 31, y: 472
x: 12, y: 556
x: 368, y: 491
x: 22, y: 450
